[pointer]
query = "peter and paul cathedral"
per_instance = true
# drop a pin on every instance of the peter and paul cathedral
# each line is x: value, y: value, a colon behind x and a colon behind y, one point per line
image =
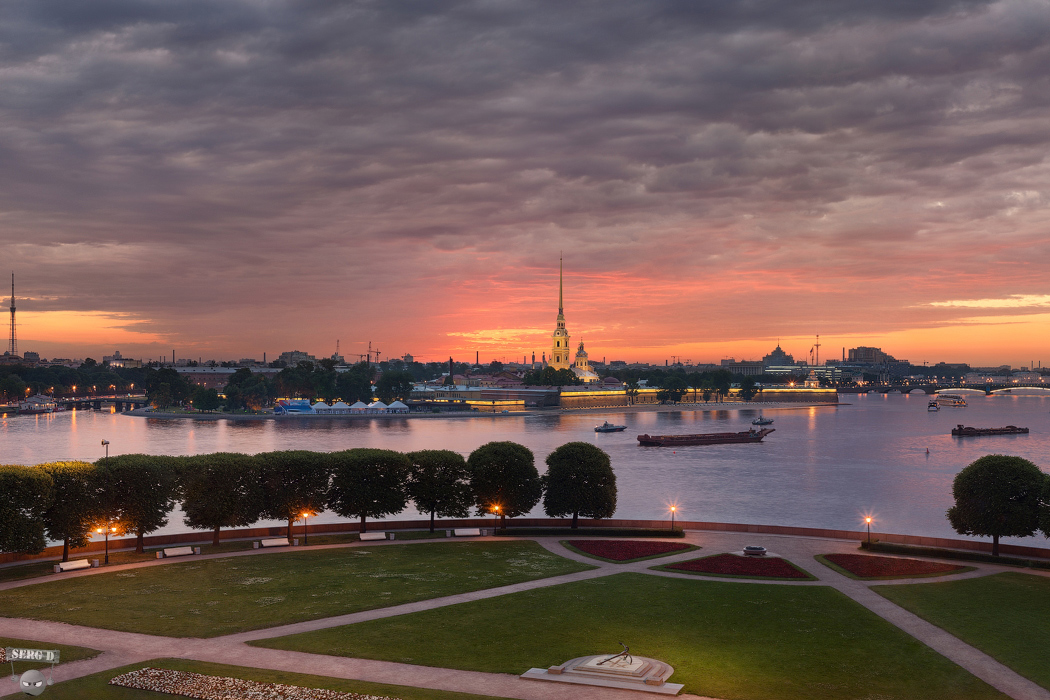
x: 560, y: 342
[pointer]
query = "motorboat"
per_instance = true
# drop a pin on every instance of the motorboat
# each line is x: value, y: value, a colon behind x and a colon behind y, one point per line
x: 762, y: 421
x: 608, y: 427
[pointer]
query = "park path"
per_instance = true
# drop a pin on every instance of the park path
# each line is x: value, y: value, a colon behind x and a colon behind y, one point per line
x: 122, y: 648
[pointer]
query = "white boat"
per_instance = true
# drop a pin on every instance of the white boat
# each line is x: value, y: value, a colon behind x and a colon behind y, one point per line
x: 762, y: 421
x: 608, y: 427
x: 933, y: 405
x: 952, y: 400
x: 37, y: 403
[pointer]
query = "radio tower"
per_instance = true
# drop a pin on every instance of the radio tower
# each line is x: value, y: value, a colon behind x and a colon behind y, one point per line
x: 12, y: 348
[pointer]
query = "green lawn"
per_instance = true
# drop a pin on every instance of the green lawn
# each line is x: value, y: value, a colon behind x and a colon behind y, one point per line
x: 208, y: 598
x: 1005, y: 615
x: 97, y: 686
x: 726, y: 640
x: 67, y: 654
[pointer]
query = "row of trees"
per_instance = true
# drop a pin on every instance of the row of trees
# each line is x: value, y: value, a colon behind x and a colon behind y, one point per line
x: 134, y: 494
x: 1001, y: 496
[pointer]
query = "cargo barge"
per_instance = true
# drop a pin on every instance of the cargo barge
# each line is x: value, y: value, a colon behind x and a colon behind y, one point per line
x: 965, y: 431
x: 703, y: 438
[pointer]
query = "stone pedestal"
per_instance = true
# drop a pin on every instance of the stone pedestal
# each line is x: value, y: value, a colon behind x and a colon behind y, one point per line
x: 640, y: 673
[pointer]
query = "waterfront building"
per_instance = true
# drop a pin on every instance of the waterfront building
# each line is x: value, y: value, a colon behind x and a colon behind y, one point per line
x: 778, y: 358
x: 582, y: 368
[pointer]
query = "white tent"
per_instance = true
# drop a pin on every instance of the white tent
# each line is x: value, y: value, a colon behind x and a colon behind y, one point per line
x: 358, y: 406
x: 398, y: 407
x: 322, y: 407
x: 340, y: 407
x: 376, y: 406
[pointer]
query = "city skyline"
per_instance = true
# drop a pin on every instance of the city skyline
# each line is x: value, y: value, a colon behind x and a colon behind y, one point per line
x: 238, y: 179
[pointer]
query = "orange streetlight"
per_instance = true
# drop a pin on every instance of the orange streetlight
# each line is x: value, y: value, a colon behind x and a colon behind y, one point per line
x: 495, y: 514
x: 106, y: 530
x: 306, y: 527
x: 867, y: 521
x: 673, y: 510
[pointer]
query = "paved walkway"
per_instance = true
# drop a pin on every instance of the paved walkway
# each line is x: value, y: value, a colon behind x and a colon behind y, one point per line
x: 122, y: 648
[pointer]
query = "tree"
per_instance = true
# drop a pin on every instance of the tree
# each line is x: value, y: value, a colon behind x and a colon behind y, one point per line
x: 73, y: 506
x: 632, y: 390
x: 246, y: 390
x: 997, y: 496
x: 25, y: 493
x: 1044, y: 508
x: 394, y: 384
x: 356, y: 384
x: 368, y: 483
x: 138, y: 491
x: 219, y: 490
x: 579, y: 481
x: 747, y: 388
x: 205, y: 399
x: 695, y: 380
x: 504, y: 479
x: 440, y: 484
x: 294, y: 482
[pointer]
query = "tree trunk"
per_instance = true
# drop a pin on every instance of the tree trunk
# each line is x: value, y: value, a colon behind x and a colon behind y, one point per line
x: 65, y: 549
x: 503, y: 521
x: 363, y: 529
x: 575, y: 519
x: 431, y: 521
x: 139, y: 541
x: 290, y: 521
x: 215, y: 538
x: 995, y: 545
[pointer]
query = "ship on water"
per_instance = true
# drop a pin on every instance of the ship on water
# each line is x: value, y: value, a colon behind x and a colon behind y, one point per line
x: 703, y: 438
x: 37, y: 403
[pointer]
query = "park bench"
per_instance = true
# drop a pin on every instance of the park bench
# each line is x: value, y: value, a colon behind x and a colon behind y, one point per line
x: 72, y: 565
x: 370, y: 536
x: 274, y: 542
x: 467, y: 532
x: 177, y: 552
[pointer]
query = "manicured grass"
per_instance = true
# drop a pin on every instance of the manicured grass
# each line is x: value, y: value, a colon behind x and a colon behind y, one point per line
x: 97, y: 686
x: 66, y: 655
x: 733, y: 566
x: 863, y: 567
x: 34, y: 569
x: 626, y: 548
x: 1005, y: 615
x: 208, y: 598
x: 725, y: 640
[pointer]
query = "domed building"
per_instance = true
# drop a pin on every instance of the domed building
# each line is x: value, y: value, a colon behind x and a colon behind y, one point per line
x: 582, y: 367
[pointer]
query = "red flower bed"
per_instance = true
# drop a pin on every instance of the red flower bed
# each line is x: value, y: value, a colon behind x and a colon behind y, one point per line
x: 625, y: 550
x: 734, y: 565
x: 867, y: 566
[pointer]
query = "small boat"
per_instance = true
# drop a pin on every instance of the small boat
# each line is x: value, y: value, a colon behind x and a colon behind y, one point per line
x: 762, y: 421
x: 703, y: 438
x: 965, y: 431
x: 933, y: 405
x: 608, y: 427
x: 952, y: 400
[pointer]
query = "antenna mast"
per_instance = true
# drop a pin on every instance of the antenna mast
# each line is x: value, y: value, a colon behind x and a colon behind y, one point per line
x: 13, y: 343
x: 817, y: 346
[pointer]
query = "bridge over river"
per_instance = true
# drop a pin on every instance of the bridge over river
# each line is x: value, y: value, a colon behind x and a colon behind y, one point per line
x: 1031, y: 388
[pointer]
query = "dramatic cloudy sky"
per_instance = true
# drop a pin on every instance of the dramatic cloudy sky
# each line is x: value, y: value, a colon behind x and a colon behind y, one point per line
x: 228, y: 178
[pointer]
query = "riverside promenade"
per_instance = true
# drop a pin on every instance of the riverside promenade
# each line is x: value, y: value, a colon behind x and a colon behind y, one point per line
x: 123, y: 648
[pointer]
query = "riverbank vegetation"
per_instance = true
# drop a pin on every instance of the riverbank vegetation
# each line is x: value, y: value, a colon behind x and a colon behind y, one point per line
x: 135, y: 493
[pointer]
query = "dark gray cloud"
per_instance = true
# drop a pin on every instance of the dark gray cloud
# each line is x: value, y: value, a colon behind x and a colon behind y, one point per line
x: 367, y: 158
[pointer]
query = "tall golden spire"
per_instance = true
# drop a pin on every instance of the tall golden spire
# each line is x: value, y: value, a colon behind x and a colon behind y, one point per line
x: 560, y: 304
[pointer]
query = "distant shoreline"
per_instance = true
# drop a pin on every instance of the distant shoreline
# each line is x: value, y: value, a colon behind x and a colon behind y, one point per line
x: 644, y: 408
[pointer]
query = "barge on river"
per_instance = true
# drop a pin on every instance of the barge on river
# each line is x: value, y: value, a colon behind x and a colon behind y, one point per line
x: 703, y: 438
x: 965, y: 431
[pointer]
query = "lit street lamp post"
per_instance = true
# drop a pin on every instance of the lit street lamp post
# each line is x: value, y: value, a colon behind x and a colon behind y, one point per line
x: 673, y: 509
x: 306, y: 528
x: 106, y: 530
x: 867, y: 521
x: 105, y: 443
x: 495, y: 515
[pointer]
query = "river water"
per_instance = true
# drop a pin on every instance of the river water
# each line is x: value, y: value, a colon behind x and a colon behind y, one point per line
x: 824, y: 467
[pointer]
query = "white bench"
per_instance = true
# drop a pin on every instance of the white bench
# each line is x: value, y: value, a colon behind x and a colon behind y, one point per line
x: 274, y: 542
x: 177, y: 552
x: 467, y: 532
x: 72, y: 565
x: 369, y: 536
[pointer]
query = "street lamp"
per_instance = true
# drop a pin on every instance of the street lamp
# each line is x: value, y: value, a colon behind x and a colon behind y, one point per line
x: 867, y: 521
x: 495, y: 515
x: 106, y: 530
x: 306, y: 527
x: 105, y: 443
x: 673, y: 509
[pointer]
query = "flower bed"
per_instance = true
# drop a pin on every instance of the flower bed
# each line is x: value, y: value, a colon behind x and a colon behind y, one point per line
x: 868, y: 566
x: 733, y: 565
x: 627, y: 550
x: 196, y: 685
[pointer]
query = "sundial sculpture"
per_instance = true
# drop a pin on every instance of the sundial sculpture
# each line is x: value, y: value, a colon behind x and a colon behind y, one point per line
x: 619, y: 670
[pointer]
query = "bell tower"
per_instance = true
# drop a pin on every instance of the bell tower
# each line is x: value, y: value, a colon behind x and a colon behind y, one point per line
x: 560, y: 337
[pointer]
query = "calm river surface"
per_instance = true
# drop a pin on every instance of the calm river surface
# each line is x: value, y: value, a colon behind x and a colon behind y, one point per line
x: 823, y: 467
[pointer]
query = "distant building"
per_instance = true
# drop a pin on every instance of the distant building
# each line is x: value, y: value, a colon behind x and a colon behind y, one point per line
x: 744, y: 367
x: 293, y: 357
x: 778, y: 358
x: 869, y: 356
x: 582, y: 368
x: 560, y: 336
x: 30, y: 356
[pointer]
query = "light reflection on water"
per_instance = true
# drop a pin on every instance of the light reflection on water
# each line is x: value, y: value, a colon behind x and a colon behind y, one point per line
x: 823, y: 467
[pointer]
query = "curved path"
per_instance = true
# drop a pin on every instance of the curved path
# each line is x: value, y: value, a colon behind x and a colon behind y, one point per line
x: 122, y: 648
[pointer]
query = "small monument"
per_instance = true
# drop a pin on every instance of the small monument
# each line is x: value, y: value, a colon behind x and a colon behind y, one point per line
x: 619, y: 670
